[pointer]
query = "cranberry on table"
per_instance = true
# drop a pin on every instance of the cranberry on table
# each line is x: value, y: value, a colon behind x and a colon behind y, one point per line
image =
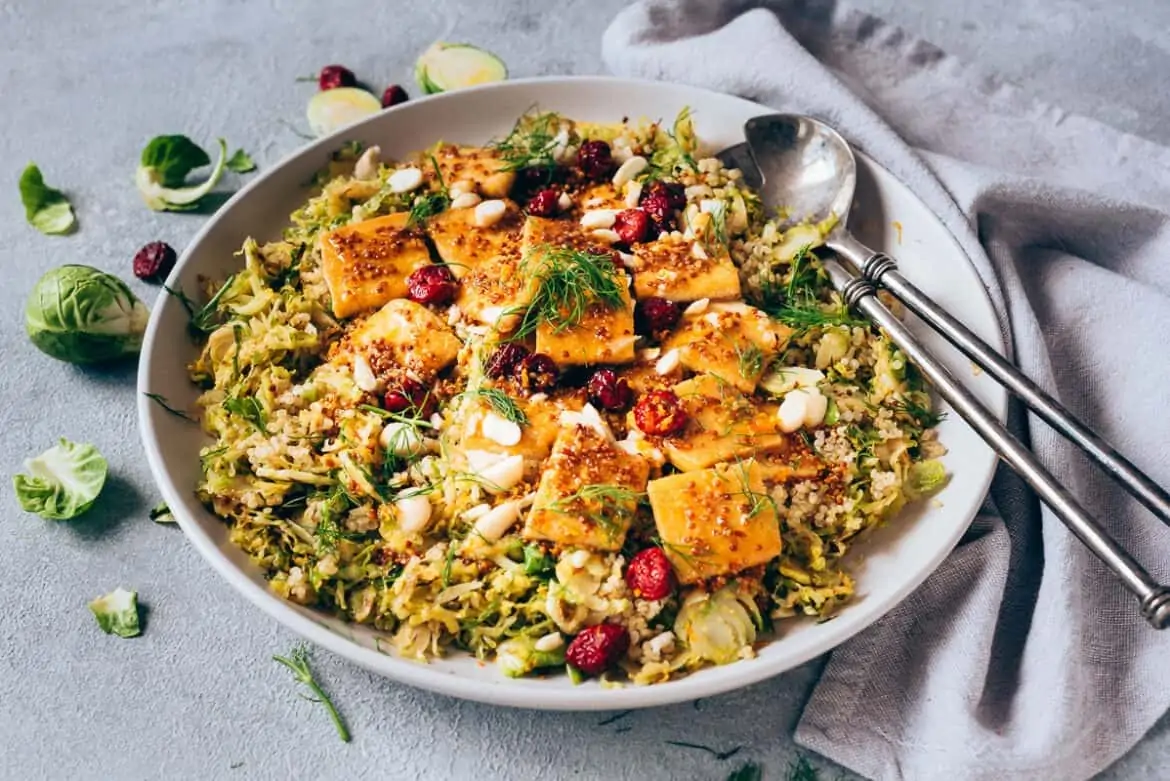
x: 632, y: 226
x: 595, y: 159
x: 650, y: 575
x: 394, y: 95
x: 660, y: 413
x: 154, y: 261
x: 505, y: 360
x: 333, y: 76
x: 654, y: 315
x: 609, y: 391
x: 544, y: 203
x: 407, y: 396
x: 597, y: 648
x: 431, y: 285
x: 538, y: 373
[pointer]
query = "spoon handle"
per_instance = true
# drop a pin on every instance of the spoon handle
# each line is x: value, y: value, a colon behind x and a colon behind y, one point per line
x: 1154, y: 598
x: 882, y: 270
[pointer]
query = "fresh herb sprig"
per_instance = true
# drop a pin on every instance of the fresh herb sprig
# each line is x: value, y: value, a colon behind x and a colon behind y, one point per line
x: 607, y: 506
x: 531, y: 142
x: 204, y: 319
x: 501, y: 403
x: 298, y: 663
x: 720, y: 755
x: 567, y: 283
x: 429, y: 204
x: 161, y: 400
x: 798, y: 305
x: 250, y: 409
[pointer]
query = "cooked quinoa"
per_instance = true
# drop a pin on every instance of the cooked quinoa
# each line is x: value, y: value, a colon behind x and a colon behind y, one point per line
x: 389, y: 446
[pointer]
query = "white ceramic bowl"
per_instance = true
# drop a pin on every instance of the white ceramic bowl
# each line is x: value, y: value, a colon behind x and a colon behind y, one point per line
x: 888, y: 565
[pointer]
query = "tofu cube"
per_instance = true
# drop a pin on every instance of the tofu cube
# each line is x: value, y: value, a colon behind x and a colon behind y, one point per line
x: 404, y: 335
x: 731, y: 340
x: 588, y: 494
x: 366, y: 264
x: 605, y: 333
x: 536, y: 436
x: 722, y: 425
x: 479, y: 165
x: 715, y: 521
x: 465, y: 247
x: 682, y: 270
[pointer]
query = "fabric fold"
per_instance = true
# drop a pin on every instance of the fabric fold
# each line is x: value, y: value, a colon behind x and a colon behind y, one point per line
x: 1021, y: 657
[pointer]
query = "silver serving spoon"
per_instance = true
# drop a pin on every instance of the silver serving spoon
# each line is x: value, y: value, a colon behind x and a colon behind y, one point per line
x: 805, y: 166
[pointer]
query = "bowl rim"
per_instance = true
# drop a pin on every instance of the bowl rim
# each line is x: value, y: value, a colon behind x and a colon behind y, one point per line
x: 528, y: 694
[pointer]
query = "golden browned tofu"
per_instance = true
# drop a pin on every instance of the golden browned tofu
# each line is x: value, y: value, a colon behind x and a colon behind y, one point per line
x: 722, y: 425
x: 588, y: 493
x: 716, y: 521
x: 599, y: 196
x: 493, y: 287
x: 541, y: 231
x: 404, y: 335
x: 604, y: 335
x: 536, y: 436
x: 478, y: 165
x: 465, y: 247
x: 605, y: 332
x: 366, y: 264
x: 733, y: 341
x: 682, y: 270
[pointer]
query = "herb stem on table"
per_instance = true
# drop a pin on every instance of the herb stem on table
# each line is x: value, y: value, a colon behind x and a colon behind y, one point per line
x: 298, y: 663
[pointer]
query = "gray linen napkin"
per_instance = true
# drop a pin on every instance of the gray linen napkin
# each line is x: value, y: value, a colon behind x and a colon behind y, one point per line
x: 1021, y: 657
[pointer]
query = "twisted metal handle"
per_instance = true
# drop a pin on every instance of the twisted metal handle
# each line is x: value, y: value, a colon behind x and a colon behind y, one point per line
x: 1154, y: 598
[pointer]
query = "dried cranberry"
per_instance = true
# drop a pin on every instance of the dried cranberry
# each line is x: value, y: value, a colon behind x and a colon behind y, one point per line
x: 531, y: 180
x: 673, y: 193
x: 650, y: 575
x: 431, y: 285
x: 544, y: 203
x: 660, y: 212
x: 632, y: 226
x: 408, y: 396
x: 595, y: 159
x: 609, y: 391
x: 597, y: 648
x: 153, y: 263
x: 538, y: 373
x: 394, y: 95
x: 654, y: 315
x: 505, y: 359
x: 660, y: 413
x: 333, y: 76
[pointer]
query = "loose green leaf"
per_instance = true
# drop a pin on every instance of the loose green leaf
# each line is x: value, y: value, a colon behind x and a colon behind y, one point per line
x: 749, y: 772
x: 79, y: 314
x: 162, y: 173
x: 46, y: 209
x: 519, y: 656
x: 240, y: 162
x: 172, y: 158
x: 63, y: 482
x: 801, y: 770
x: 298, y: 663
x: 117, y: 613
x: 160, y: 513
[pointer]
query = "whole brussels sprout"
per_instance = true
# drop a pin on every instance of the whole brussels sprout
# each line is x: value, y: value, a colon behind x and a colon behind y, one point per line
x: 79, y: 314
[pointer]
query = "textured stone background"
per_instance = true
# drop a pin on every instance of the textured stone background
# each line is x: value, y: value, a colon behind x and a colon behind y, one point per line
x: 82, y: 87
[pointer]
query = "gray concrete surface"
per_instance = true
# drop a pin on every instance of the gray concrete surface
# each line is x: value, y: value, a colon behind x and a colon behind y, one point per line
x: 83, y: 86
